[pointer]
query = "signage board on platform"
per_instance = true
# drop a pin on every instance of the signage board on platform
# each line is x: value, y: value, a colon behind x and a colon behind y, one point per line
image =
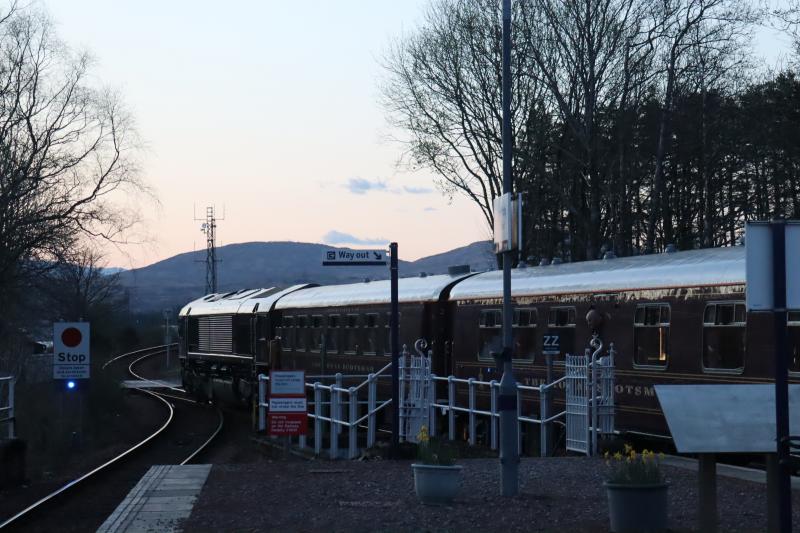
x: 288, y: 410
x: 346, y: 257
x: 71, y: 355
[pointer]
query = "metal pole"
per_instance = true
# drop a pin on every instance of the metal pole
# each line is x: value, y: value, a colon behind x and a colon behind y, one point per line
x: 507, y: 400
x: 781, y: 375
x: 394, y: 328
x: 262, y: 395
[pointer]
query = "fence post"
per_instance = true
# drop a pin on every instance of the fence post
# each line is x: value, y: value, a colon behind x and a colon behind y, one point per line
x: 338, y: 403
x: 451, y: 415
x: 13, y: 426
x: 544, y: 427
x: 594, y: 407
x: 371, y: 389
x: 519, y: 424
x: 334, y: 450
x: 352, y: 433
x: 431, y: 408
x: 471, y: 384
x: 401, y: 401
x: 493, y: 418
x: 262, y: 411
x: 317, y: 422
x: 301, y: 441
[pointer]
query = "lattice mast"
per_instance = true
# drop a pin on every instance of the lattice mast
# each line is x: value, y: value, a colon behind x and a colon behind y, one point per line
x: 209, y: 227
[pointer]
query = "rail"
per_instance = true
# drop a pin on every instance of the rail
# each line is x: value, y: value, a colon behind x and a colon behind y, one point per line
x: 7, y: 404
x: 544, y: 421
x: 338, y: 397
x: 105, y: 466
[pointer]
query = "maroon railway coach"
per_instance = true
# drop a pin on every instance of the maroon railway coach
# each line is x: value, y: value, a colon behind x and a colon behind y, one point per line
x: 674, y: 318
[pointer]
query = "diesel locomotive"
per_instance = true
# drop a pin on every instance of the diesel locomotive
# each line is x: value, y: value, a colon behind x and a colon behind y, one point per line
x: 675, y: 317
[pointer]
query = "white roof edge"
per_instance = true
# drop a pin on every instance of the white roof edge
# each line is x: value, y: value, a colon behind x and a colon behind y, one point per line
x: 411, y: 289
x: 692, y: 268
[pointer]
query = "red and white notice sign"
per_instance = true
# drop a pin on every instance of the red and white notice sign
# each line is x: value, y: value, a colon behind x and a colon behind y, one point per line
x: 288, y: 412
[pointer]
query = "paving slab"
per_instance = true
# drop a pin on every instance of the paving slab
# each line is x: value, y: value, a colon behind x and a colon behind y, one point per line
x: 163, y: 497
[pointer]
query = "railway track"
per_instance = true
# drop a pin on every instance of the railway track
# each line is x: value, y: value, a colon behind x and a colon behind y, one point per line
x: 84, y: 502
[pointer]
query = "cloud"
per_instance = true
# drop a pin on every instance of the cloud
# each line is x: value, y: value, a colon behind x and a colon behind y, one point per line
x: 417, y: 190
x: 337, y: 237
x: 362, y: 186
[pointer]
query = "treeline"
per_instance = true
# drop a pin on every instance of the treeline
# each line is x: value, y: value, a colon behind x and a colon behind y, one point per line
x: 636, y: 124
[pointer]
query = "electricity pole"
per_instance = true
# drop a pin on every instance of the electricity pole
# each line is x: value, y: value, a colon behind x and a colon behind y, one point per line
x: 507, y: 401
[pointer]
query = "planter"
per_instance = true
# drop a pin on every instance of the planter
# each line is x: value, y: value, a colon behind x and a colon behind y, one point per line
x: 641, y: 508
x: 436, y: 484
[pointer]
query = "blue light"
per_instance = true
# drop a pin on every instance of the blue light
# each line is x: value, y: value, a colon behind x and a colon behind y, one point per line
x: 70, y: 385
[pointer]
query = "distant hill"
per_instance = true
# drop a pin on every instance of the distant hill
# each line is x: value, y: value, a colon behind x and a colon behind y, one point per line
x: 174, y: 281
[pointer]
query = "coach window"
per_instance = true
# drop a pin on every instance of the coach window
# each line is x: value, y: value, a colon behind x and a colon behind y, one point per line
x: 332, y: 334
x: 723, y: 337
x: 524, y: 328
x: 286, y: 333
x: 350, y: 334
x: 793, y: 322
x: 561, y: 322
x: 317, y: 333
x: 370, y: 334
x: 490, y: 337
x: 651, y: 335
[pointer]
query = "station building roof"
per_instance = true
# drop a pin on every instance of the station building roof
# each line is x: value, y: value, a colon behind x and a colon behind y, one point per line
x: 693, y: 268
x: 416, y: 289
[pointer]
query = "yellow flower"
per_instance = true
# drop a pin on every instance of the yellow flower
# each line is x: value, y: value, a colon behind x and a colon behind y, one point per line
x: 628, y: 448
x: 423, y: 436
x: 618, y: 456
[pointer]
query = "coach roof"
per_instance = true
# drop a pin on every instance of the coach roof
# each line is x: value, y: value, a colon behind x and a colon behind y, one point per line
x: 416, y: 289
x: 231, y: 303
x: 694, y: 268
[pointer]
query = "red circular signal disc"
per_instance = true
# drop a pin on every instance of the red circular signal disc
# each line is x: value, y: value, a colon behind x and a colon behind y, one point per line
x: 71, y: 337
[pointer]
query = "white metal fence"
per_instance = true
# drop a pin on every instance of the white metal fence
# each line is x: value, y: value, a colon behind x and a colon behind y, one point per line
x: 7, y: 404
x: 337, y: 407
x: 448, y: 405
x: 590, y: 398
x: 415, y: 391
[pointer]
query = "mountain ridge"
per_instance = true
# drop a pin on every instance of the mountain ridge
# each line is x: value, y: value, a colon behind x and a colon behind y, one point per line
x: 171, y: 282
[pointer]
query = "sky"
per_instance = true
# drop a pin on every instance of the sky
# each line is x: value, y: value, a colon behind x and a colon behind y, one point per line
x: 268, y: 110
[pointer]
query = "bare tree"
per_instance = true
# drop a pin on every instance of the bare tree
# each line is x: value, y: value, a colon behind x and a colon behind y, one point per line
x: 443, y: 89
x: 585, y: 51
x: 696, y: 33
x: 66, y: 148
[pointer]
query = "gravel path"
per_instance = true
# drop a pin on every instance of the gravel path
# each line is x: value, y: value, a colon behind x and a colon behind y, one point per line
x: 557, y: 494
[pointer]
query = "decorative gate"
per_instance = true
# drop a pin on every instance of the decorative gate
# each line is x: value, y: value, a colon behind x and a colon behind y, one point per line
x: 577, y: 409
x: 415, y: 377
x: 590, y: 398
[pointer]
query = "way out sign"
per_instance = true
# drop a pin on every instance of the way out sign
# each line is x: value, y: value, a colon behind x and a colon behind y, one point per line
x: 288, y: 411
x: 71, y: 355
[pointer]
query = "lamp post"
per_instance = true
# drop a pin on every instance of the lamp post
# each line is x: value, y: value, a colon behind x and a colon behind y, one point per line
x: 507, y: 400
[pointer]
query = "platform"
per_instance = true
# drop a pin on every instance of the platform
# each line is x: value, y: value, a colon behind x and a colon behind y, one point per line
x: 163, y: 497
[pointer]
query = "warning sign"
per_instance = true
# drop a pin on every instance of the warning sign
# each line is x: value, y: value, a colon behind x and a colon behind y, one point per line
x: 71, y: 356
x: 288, y: 410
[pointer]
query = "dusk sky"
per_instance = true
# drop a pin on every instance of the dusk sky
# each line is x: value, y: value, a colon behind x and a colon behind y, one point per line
x: 270, y: 109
